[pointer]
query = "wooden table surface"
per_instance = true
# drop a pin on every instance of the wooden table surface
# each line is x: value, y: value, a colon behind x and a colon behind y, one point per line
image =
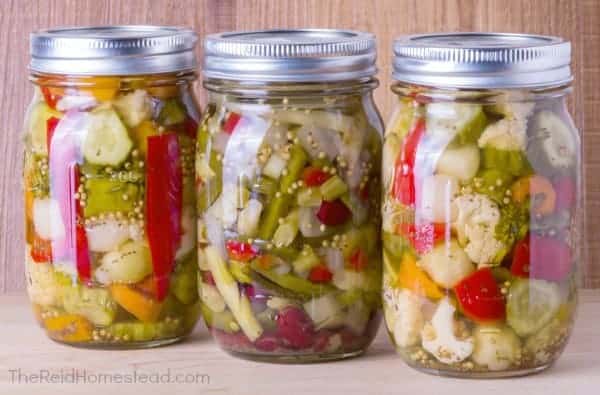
x: 25, y: 349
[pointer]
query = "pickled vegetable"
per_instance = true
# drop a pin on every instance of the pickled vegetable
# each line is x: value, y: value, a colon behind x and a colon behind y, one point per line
x: 110, y: 201
x: 478, y: 234
x: 292, y: 241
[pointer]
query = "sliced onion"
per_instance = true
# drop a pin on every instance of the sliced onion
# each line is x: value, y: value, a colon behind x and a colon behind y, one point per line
x: 309, y: 224
x: 214, y: 233
x: 188, y: 226
x: 334, y: 259
x: 316, y: 140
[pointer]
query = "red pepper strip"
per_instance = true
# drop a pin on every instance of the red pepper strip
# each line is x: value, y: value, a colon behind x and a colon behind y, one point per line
x: 191, y: 127
x: 480, y: 298
x: 51, y: 125
x: 403, y: 188
x: 320, y: 274
x: 359, y: 260
x: 423, y: 237
x: 333, y: 213
x: 164, y: 192
x: 241, y: 251
x: 50, y: 98
x: 82, y: 250
x: 520, y: 260
x: 231, y: 122
x: 313, y: 176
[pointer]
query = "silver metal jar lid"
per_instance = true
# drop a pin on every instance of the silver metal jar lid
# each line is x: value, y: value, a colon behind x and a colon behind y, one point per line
x: 303, y: 55
x: 482, y: 60
x: 113, y: 50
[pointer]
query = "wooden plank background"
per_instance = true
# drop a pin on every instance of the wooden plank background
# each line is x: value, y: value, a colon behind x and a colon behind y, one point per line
x: 577, y: 20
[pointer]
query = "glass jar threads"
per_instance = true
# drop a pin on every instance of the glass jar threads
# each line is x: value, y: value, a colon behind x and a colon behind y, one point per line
x: 287, y: 171
x: 109, y: 185
x: 480, y: 209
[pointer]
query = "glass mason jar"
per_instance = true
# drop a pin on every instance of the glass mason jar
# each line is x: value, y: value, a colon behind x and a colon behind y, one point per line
x: 109, y: 185
x: 481, y: 199
x: 287, y: 171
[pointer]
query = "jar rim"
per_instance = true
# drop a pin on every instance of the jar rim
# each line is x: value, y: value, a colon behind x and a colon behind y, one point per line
x: 482, y: 60
x: 113, y: 50
x: 290, y: 55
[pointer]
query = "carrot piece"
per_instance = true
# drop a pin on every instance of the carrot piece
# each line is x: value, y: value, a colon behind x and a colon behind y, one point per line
x: 138, y: 302
x: 539, y: 190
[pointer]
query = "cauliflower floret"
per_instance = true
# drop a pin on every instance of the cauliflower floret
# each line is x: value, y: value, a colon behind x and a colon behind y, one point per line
x: 475, y: 225
x: 440, y: 339
x: 134, y: 107
x: 510, y: 133
x: 497, y: 348
x: 41, y: 283
x: 403, y: 316
x: 514, y: 111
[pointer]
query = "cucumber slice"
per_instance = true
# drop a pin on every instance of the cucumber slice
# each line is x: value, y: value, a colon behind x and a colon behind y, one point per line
x: 107, y: 235
x: 38, y: 117
x: 460, y: 162
x: 464, y: 121
x: 531, y: 304
x: 130, y: 264
x: 294, y: 284
x: 394, y: 244
x: 185, y: 283
x: 95, y: 304
x: 447, y: 264
x: 555, y: 142
x: 105, y: 195
x: 144, y: 331
x: 172, y: 113
x: 513, y: 162
x: 107, y: 141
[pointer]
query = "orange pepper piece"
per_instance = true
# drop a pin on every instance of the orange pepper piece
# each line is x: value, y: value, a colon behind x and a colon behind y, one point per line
x: 137, y: 300
x: 539, y: 190
x: 411, y: 277
x: 69, y: 328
